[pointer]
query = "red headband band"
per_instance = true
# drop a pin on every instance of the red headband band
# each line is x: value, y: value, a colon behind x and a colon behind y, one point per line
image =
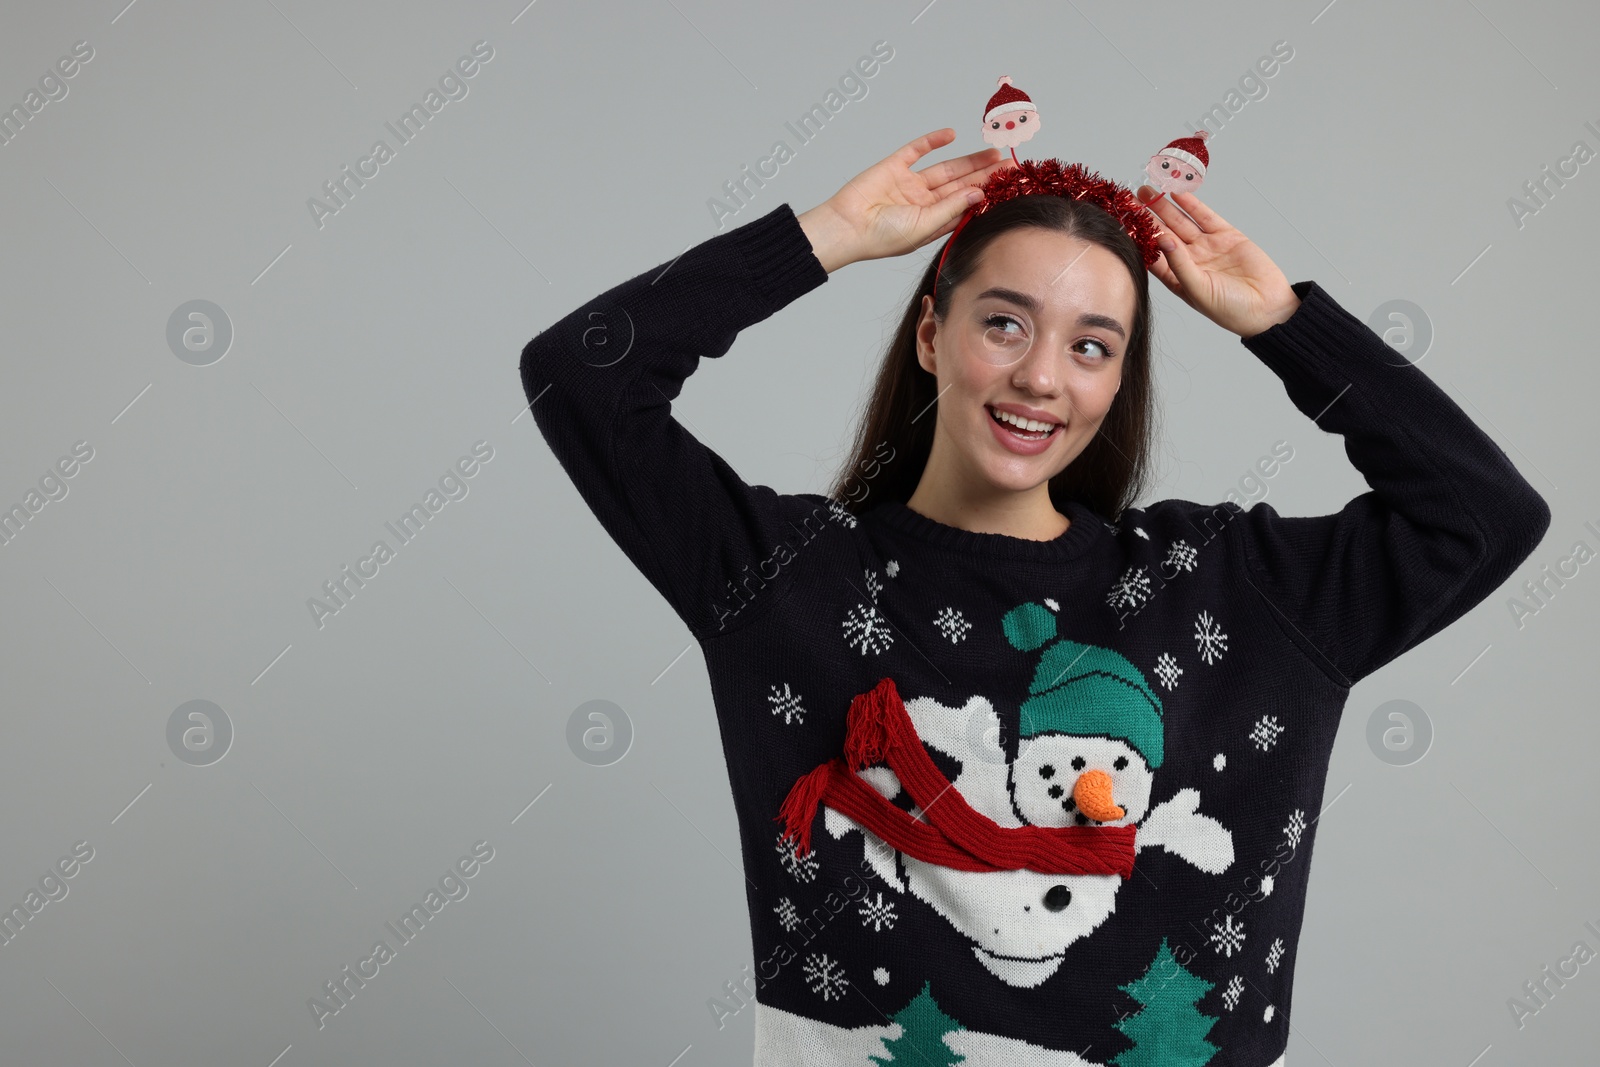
x: 1051, y: 177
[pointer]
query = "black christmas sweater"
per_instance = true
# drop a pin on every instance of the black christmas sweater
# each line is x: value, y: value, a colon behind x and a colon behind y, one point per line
x: 1131, y: 722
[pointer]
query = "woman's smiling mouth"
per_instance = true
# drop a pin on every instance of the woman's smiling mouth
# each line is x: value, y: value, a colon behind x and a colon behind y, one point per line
x: 1018, y: 432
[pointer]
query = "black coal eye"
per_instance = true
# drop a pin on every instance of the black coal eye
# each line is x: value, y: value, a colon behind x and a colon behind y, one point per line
x: 1166, y: 166
x: 1122, y: 761
x: 1047, y: 771
x: 995, y: 125
x: 1058, y: 897
x: 1188, y: 177
x: 1077, y: 763
x: 1022, y: 118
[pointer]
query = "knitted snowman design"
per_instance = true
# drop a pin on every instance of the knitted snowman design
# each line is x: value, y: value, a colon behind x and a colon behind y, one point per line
x: 1089, y: 743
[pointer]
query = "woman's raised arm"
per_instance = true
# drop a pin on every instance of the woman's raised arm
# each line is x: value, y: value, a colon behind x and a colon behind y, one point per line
x: 1448, y: 517
x: 601, y: 382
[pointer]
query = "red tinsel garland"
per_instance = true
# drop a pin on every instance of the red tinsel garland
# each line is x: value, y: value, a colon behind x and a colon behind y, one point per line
x: 1051, y: 177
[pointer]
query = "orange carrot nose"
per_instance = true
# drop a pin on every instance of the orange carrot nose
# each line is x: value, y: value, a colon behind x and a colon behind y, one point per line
x: 1092, y: 795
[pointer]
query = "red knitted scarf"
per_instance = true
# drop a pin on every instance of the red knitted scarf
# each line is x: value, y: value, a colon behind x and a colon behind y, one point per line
x: 878, y: 729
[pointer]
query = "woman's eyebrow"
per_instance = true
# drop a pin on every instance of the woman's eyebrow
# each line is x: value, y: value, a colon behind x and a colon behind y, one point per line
x: 1029, y: 304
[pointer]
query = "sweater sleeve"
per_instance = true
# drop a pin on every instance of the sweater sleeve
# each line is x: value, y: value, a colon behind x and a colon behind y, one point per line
x: 1447, y: 520
x: 600, y: 383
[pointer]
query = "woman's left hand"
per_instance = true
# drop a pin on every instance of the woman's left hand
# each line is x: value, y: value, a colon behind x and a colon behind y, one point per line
x: 1215, y: 269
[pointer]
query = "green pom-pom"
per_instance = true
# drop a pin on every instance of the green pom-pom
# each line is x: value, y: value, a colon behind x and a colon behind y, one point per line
x: 1027, y: 626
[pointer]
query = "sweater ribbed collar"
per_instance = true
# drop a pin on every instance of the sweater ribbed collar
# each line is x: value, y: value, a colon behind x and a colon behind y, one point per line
x: 1085, y: 528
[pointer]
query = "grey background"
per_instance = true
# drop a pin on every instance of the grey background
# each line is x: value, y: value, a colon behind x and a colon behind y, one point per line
x: 368, y: 355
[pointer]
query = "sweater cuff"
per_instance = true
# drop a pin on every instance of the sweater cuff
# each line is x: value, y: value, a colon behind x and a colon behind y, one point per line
x: 1323, y: 342
x: 1311, y: 315
x: 777, y: 256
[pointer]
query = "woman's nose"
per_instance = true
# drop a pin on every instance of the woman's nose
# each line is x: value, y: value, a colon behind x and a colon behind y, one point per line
x: 1040, y: 368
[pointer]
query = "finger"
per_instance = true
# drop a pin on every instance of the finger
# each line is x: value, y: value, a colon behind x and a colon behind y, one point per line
x: 1161, y: 205
x: 974, y: 180
x: 912, y: 151
x: 940, y: 174
x: 947, y: 212
x: 1190, y: 278
x: 1177, y: 223
x: 1163, y: 272
x: 1162, y: 269
x: 1204, y: 217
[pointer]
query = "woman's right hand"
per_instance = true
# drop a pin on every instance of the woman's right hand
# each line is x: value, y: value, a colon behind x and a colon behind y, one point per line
x: 890, y: 209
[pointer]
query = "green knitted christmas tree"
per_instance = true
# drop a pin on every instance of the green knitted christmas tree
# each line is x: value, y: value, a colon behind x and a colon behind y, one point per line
x: 1168, y: 1031
x: 921, y: 1042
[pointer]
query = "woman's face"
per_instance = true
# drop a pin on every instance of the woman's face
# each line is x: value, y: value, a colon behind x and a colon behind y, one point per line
x: 1040, y: 330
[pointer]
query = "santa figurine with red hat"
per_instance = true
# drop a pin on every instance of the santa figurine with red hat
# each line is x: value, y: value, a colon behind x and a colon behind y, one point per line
x: 1181, y: 166
x: 1010, y: 117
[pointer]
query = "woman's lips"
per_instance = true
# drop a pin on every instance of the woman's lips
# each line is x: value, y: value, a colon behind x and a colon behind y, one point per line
x: 1020, y: 445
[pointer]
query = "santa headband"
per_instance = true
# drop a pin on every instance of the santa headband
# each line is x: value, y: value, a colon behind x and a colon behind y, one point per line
x: 1074, y: 181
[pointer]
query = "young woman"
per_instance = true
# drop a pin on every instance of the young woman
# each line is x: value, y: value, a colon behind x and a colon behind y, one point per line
x: 1025, y: 773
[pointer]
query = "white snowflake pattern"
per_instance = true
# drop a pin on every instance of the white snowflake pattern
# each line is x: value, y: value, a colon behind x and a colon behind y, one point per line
x: 786, y: 704
x: 824, y: 975
x: 1167, y: 670
x: 802, y: 868
x: 1210, y: 639
x: 1050, y: 602
x: 878, y: 914
x: 839, y: 513
x: 864, y: 625
x: 1219, y: 761
x: 1274, y: 955
x: 1228, y: 936
x: 1265, y: 732
x: 1296, y: 828
x: 1131, y: 590
x: 1182, y: 555
x: 1230, y: 996
x: 1140, y: 531
x: 880, y: 975
x: 1267, y: 1015
x: 788, y: 914
x: 1266, y: 885
x: 867, y: 629
x: 892, y: 568
x: 952, y: 624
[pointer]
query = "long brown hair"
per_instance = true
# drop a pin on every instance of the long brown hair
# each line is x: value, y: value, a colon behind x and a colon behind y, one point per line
x: 1110, y: 472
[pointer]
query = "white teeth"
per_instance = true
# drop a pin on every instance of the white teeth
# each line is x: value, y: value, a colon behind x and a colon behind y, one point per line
x: 1031, y: 425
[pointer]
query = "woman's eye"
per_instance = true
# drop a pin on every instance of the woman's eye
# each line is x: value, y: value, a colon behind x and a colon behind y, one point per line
x: 995, y: 321
x: 1105, y: 353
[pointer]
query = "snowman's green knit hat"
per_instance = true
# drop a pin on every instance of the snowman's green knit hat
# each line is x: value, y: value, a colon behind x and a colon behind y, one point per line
x: 1083, y: 689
